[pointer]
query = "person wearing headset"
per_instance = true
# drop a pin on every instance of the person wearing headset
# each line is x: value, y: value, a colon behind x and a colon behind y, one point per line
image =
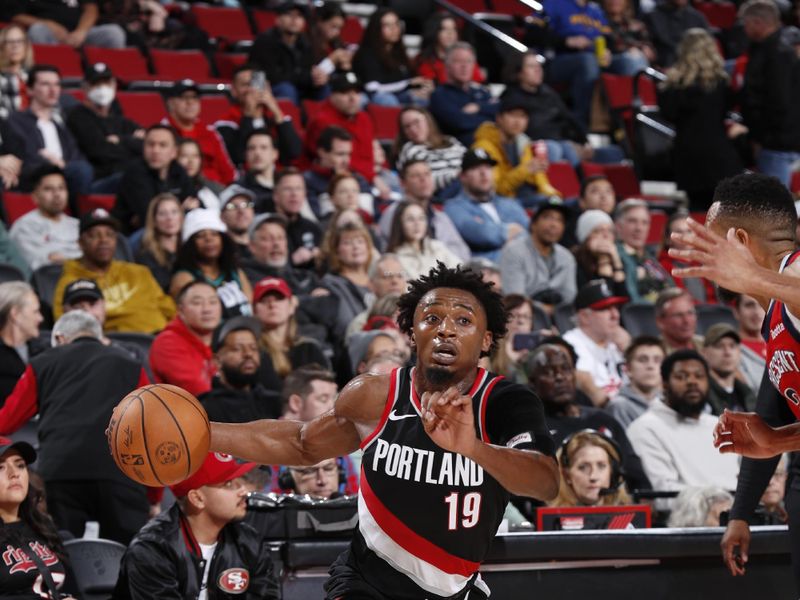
x: 591, y: 471
x: 323, y: 480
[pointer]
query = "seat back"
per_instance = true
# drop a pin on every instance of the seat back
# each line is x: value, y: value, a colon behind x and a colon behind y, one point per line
x: 563, y: 177
x: 639, y: 318
x: 264, y: 19
x: 353, y: 30
x: 44, y: 281
x: 214, y: 107
x: 62, y: 56
x: 95, y: 567
x: 145, y: 108
x: 384, y: 120
x: 223, y: 23
x: 16, y: 204
x: 180, y: 64
x: 711, y: 314
x: 128, y: 64
x: 541, y: 320
x: 564, y: 317
x: 88, y: 202
x: 10, y: 273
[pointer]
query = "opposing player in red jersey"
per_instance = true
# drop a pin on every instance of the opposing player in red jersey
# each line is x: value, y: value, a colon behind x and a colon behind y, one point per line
x: 444, y: 444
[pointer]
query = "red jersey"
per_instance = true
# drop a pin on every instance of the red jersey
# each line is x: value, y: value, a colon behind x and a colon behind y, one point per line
x: 782, y: 334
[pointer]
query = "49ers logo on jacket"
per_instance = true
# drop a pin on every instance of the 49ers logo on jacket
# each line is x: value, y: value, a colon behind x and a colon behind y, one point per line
x: 234, y: 581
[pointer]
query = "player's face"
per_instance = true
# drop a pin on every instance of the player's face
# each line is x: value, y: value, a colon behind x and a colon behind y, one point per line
x: 450, y: 335
x: 588, y: 474
x: 319, y: 481
x: 13, y: 481
x: 225, y: 502
x: 553, y: 376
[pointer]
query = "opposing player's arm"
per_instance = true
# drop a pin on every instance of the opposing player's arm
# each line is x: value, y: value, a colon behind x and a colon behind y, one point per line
x: 335, y: 433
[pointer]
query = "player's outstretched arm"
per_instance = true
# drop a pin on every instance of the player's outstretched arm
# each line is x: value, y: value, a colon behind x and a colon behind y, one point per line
x: 284, y: 442
x: 449, y: 421
x: 747, y: 434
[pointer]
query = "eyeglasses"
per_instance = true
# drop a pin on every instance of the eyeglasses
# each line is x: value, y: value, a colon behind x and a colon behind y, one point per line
x: 308, y: 473
x: 231, y: 206
x: 19, y: 42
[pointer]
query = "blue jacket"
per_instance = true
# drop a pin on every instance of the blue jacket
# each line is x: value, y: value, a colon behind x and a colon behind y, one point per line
x: 485, y: 236
x: 567, y: 18
x: 447, y: 102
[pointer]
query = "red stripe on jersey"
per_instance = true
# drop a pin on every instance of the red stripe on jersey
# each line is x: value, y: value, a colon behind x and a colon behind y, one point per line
x: 484, y: 404
x: 390, y: 400
x: 411, y: 541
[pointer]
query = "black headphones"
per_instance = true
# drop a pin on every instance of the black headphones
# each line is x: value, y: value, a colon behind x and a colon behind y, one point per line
x: 286, y: 479
x: 614, y: 455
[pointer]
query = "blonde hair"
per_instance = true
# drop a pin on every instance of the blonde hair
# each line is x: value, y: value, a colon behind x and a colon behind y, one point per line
x: 279, y: 351
x: 150, y: 237
x: 699, y: 62
x: 566, y: 495
x: 27, y: 61
x: 334, y: 235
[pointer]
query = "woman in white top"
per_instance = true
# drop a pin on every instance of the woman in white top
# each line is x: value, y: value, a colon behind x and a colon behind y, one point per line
x: 411, y: 241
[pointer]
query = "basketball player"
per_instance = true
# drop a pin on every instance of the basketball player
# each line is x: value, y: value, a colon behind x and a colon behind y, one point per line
x: 444, y: 445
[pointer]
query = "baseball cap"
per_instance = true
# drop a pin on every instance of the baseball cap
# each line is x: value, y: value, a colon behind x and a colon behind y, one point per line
x: 597, y: 295
x: 216, y: 468
x: 99, y: 216
x: 234, y: 190
x: 271, y: 284
x: 26, y: 451
x: 290, y: 5
x: 344, y: 82
x: 267, y: 218
x: 184, y: 85
x: 475, y: 157
x: 200, y: 219
x: 235, y: 324
x: 718, y: 331
x: 511, y: 102
x: 554, y: 203
x: 98, y: 72
x: 80, y: 289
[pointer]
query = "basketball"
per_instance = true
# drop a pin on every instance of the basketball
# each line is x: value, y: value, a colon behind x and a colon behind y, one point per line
x: 159, y: 435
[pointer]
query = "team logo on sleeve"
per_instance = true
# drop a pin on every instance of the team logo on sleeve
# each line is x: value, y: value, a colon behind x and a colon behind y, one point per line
x: 234, y: 581
x: 518, y: 440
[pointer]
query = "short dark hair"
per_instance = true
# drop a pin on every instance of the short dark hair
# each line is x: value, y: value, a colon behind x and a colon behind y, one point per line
x: 671, y: 360
x: 36, y: 69
x: 299, y: 381
x: 329, y: 134
x: 641, y: 342
x: 248, y: 66
x: 589, y: 181
x: 410, y: 163
x: 760, y: 199
x: 162, y: 127
x: 186, y: 288
x: 259, y: 131
x: 461, y: 279
x: 286, y: 172
x: 184, y: 140
x: 43, y: 171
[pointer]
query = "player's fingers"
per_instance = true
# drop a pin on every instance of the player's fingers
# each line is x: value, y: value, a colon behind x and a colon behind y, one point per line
x: 693, y: 254
x: 744, y: 548
x: 685, y: 272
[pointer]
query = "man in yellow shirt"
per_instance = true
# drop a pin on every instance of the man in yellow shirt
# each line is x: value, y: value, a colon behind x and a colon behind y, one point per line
x: 134, y: 300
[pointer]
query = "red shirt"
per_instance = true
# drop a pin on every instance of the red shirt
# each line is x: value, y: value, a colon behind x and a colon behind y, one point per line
x: 434, y: 69
x: 180, y: 358
x: 360, y: 127
x: 217, y: 165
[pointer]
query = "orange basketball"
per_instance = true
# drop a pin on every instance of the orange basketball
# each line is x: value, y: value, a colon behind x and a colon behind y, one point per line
x: 159, y: 435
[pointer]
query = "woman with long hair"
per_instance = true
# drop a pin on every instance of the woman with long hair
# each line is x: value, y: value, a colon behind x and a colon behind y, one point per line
x: 410, y: 239
x: 590, y: 471
x: 26, y: 529
x: 16, y: 59
x: 19, y: 325
x: 205, y: 193
x: 161, y: 237
x: 330, y: 52
x: 383, y: 65
x: 438, y: 35
x: 695, y: 98
x: 208, y: 254
x: 284, y: 349
x: 596, y: 254
x: 419, y: 138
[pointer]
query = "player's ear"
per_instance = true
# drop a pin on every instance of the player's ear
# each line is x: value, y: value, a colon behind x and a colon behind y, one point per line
x: 742, y: 236
x: 487, y: 341
x: 412, y: 342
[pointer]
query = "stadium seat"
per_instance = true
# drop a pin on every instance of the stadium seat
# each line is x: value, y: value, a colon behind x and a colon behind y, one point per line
x: 263, y: 19
x: 223, y: 24
x: 143, y: 340
x: 639, y: 318
x: 658, y: 222
x: 353, y: 30
x: 95, y: 566
x: 624, y: 180
x: 795, y: 183
x: 719, y: 14
x: 699, y: 216
x: 515, y: 8
x: 213, y: 107
x: 227, y: 63
x: 564, y: 317
x: 128, y: 64
x: 563, y: 177
x: 16, y: 204
x: 88, y: 202
x: 290, y: 109
x: 591, y: 169
x: 65, y: 57
x: 44, y: 281
x: 384, y: 120
x: 471, y: 6
x: 10, y: 273
x: 174, y: 65
x: 145, y: 108
x: 711, y: 314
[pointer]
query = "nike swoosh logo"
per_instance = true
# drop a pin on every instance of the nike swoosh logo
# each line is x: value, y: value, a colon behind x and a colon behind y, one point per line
x: 393, y: 416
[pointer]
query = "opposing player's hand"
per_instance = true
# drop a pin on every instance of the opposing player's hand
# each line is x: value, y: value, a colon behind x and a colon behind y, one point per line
x: 725, y: 261
x: 744, y: 433
x: 737, y: 535
x: 448, y: 420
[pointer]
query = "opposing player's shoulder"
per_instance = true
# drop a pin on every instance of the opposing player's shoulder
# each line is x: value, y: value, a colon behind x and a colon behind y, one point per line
x: 364, y: 397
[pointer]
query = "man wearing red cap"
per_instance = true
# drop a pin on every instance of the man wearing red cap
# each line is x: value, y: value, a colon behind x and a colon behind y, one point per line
x: 199, y: 548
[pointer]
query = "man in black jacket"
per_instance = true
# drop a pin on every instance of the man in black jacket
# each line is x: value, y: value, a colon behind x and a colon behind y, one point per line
x: 771, y: 89
x: 236, y: 395
x: 74, y: 387
x: 667, y: 23
x: 200, y: 547
x: 156, y: 172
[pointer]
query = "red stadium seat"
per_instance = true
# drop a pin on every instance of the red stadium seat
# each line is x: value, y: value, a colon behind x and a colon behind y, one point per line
x: 719, y: 14
x: 174, y: 65
x: 228, y: 24
x: 353, y: 30
x: 591, y: 169
x: 227, y: 63
x: 145, y: 108
x: 624, y: 180
x: 658, y: 223
x: 290, y: 109
x: 795, y: 183
x: 64, y: 57
x: 384, y: 120
x: 87, y: 203
x: 471, y: 6
x: 128, y: 64
x: 515, y: 8
x: 212, y: 108
x: 563, y: 177
x: 264, y: 19
x: 15, y: 205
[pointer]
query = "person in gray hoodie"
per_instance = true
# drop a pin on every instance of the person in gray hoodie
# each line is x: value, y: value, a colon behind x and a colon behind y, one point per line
x: 642, y: 368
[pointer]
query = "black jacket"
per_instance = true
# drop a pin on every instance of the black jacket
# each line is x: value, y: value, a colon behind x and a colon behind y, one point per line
x: 91, y: 130
x: 284, y: 135
x: 11, y: 369
x: 164, y: 561
x: 301, y: 281
x: 719, y: 399
x: 227, y: 405
x: 263, y: 194
x: 282, y: 63
x: 549, y: 117
x: 770, y: 95
x: 138, y: 186
x: 667, y: 25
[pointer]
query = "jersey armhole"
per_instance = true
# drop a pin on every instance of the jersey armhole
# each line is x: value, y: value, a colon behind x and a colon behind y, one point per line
x: 391, y: 399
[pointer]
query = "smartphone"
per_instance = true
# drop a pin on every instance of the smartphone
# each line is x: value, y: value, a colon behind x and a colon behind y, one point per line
x: 259, y: 80
x: 526, y: 341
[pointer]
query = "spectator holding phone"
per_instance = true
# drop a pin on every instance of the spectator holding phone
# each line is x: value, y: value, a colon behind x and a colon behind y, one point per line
x: 509, y: 357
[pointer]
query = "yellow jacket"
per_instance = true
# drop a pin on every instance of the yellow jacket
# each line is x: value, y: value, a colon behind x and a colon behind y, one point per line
x: 507, y: 178
x: 134, y: 301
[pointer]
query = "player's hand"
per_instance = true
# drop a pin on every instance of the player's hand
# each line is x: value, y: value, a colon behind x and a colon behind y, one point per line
x: 744, y: 433
x: 725, y: 261
x: 737, y: 535
x: 448, y: 420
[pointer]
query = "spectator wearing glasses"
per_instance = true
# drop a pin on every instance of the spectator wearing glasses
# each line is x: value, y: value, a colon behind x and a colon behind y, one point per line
x: 388, y: 278
x: 676, y: 319
x: 238, y: 212
x: 16, y: 59
x: 320, y: 481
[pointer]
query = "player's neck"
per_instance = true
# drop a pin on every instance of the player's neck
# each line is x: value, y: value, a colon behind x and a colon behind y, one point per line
x: 422, y: 383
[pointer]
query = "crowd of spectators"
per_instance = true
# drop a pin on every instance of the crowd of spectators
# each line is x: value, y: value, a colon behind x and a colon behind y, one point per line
x: 255, y: 258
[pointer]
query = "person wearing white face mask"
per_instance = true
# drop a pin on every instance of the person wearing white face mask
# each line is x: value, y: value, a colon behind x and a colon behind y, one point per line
x: 106, y: 137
